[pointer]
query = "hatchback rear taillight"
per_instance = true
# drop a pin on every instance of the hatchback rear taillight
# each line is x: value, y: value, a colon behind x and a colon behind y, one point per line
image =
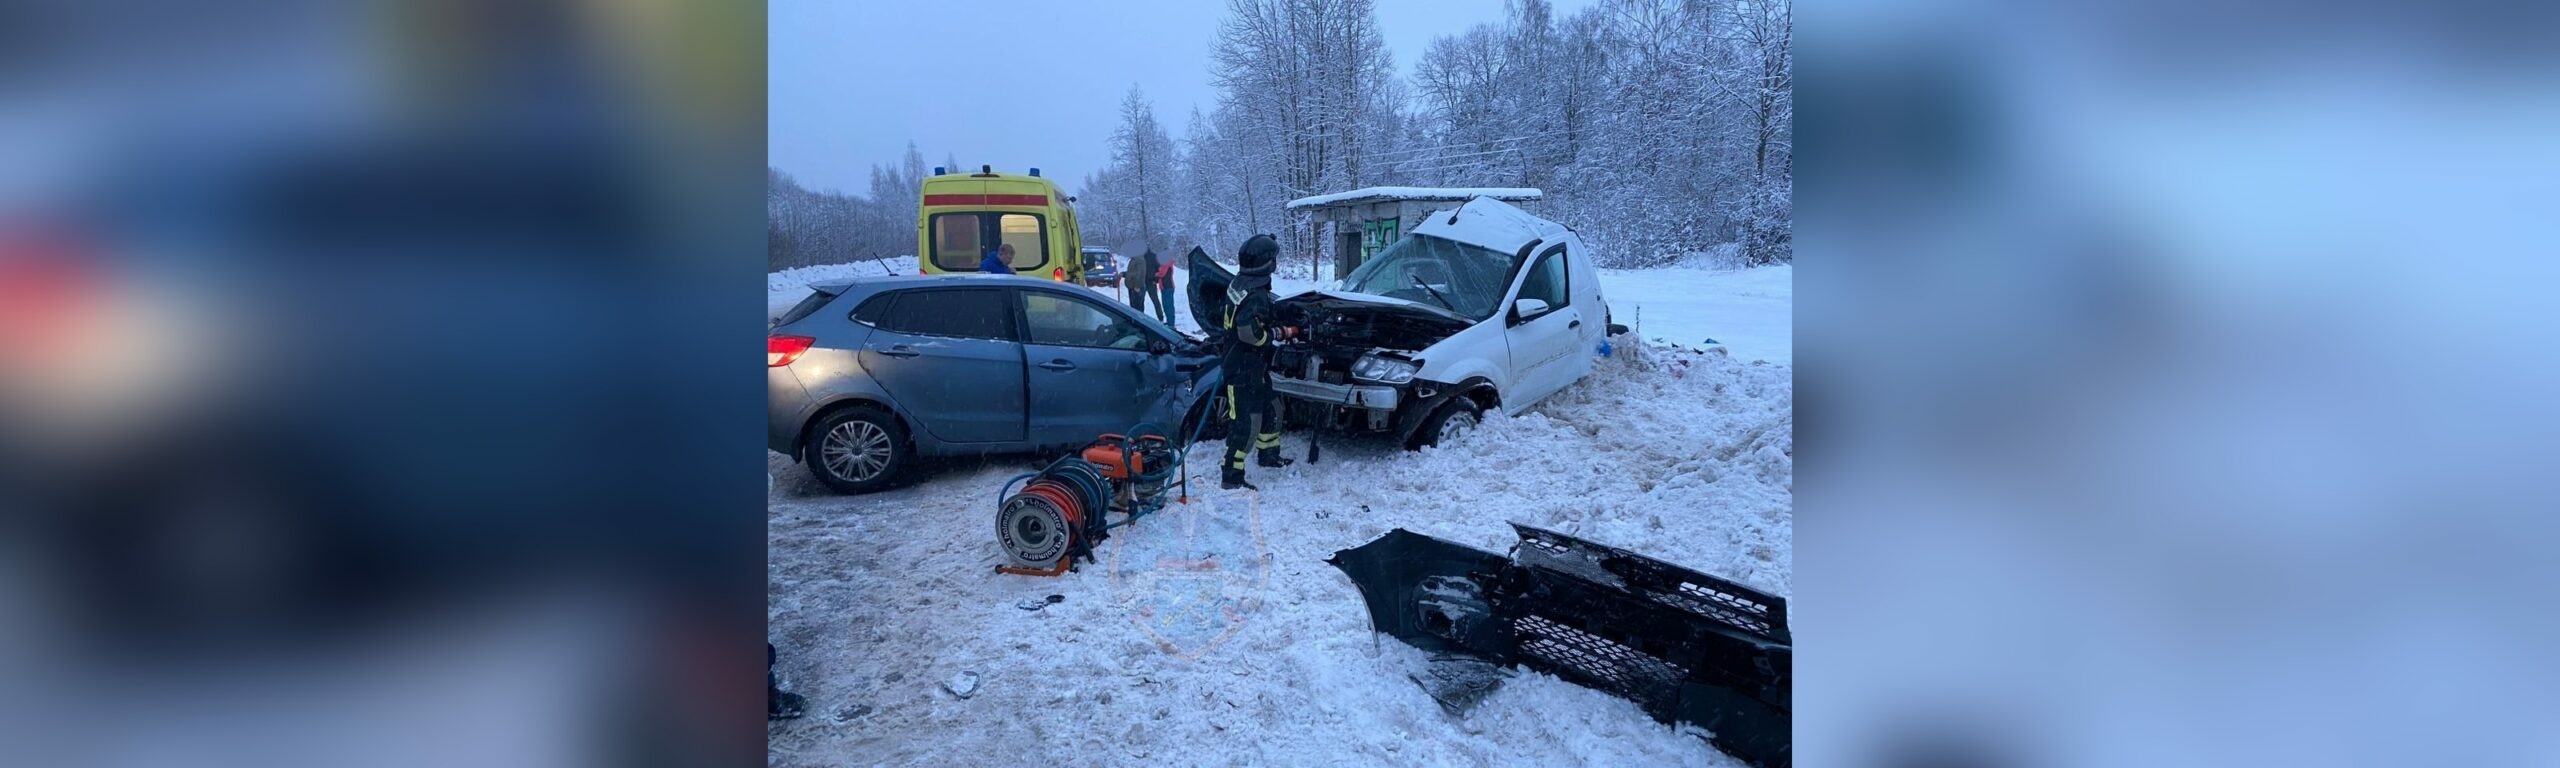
x: 49, y: 296
x: 780, y: 350
x: 1059, y: 274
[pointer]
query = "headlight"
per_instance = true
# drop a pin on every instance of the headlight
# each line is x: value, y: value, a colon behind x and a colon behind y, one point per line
x: 1385, y: 370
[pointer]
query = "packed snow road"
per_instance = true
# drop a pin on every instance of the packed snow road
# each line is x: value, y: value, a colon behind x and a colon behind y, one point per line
x: 1215, y: 634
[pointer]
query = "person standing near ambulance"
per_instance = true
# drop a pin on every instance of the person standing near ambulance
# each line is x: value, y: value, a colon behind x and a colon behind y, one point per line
x: 998, y: 261
x: 1253, y: 408
x: 1139, y: 282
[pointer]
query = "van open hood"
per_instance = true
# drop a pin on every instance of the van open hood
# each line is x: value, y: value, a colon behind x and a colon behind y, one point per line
x: 1347, y: 321
x: 1337, y: 320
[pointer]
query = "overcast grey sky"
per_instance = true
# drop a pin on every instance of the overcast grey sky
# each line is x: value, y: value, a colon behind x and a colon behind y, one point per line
x: 1013, y: 83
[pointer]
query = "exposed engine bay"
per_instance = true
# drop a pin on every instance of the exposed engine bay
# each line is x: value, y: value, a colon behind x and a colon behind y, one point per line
x: 1353, y: 367
x: 1339, y: 325
x: 1338, y: 331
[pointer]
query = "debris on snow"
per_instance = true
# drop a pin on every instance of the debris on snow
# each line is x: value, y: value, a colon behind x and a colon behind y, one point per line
x: 1460, y: 683
x: 963, y: 685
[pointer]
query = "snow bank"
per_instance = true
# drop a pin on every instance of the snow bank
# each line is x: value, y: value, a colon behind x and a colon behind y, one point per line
x: 798, y: 278
x: 874, y: 600
x: 1420, y: 193
x: 787, y: 287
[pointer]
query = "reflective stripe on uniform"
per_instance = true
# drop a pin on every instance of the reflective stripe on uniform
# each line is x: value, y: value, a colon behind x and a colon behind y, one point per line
x: 1231, y: 402
x: 1231, y: 325
x: 1267, y: 440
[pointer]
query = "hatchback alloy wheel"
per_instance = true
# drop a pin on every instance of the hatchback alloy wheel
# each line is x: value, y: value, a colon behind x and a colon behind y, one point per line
x: 856, y: 450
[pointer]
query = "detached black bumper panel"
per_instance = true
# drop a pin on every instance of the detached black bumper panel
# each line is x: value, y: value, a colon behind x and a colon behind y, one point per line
x: 1688, y: 647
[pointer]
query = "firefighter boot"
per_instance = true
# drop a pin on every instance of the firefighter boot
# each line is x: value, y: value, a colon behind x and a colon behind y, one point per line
x: 1267, y: 451
x: 1231, y: 473
x: 1270, y: 457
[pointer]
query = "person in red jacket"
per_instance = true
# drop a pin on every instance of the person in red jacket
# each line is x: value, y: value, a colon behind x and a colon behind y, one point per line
x: 1164, y: 291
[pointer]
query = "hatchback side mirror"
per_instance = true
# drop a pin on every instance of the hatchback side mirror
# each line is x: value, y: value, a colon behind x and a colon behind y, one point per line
x: 1525, y: 310
x: 1160, y: 346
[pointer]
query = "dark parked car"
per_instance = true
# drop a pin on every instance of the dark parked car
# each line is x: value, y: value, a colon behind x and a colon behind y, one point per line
x: 1101, y: 267
x: 865, y: 376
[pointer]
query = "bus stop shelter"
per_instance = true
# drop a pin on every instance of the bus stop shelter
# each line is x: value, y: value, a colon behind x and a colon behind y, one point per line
x: 1369, y: 219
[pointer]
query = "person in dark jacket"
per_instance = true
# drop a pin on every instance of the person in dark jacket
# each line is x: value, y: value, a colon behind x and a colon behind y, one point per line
x: 998, y: 261
x: 1253, y: 409
x: 1139, y: 280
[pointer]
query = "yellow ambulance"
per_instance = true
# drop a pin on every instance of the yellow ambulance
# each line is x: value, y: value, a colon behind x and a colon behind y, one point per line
x: 966, y: 216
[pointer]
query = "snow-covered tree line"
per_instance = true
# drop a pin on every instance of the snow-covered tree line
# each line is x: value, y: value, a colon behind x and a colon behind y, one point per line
x: 805, y: 227
x: 1658, y: 128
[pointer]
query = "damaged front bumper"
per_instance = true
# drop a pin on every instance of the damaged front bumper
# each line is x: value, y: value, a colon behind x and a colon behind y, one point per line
x: 1688, y: 647
x: 1380, y: 397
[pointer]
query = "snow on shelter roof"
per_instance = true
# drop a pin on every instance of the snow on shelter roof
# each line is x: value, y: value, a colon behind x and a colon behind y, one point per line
x: 1383, y: 194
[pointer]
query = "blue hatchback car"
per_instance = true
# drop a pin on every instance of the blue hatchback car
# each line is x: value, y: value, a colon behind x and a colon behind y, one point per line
x: 863, y: 377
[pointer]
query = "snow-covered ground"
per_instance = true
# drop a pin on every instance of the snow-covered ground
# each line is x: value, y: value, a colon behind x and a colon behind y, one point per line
x: 878, y: 602
x: 1749, y: 311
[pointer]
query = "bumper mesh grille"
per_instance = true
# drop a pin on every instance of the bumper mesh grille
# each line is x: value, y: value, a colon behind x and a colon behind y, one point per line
x: 1600, y: 663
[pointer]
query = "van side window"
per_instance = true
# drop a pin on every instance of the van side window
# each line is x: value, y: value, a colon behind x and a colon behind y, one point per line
x: 1548, y: 281
x: 968, y: 313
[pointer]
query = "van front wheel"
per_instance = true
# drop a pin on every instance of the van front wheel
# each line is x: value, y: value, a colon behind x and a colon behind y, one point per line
x: 1453, y: 420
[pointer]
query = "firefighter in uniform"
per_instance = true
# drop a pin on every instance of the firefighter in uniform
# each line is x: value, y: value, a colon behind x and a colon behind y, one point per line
x: 1253, y: 410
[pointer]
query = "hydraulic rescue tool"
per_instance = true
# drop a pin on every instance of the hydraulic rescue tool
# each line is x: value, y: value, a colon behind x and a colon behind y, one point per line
x: 1061, y: 513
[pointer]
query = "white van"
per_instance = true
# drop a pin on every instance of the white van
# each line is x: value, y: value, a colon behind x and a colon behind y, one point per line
x: 1482, y: 306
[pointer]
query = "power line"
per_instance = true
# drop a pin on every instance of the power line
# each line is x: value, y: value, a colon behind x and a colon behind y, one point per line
x: 1463, y: 144
x: 1444, y: 158
x: 1460, y: 145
